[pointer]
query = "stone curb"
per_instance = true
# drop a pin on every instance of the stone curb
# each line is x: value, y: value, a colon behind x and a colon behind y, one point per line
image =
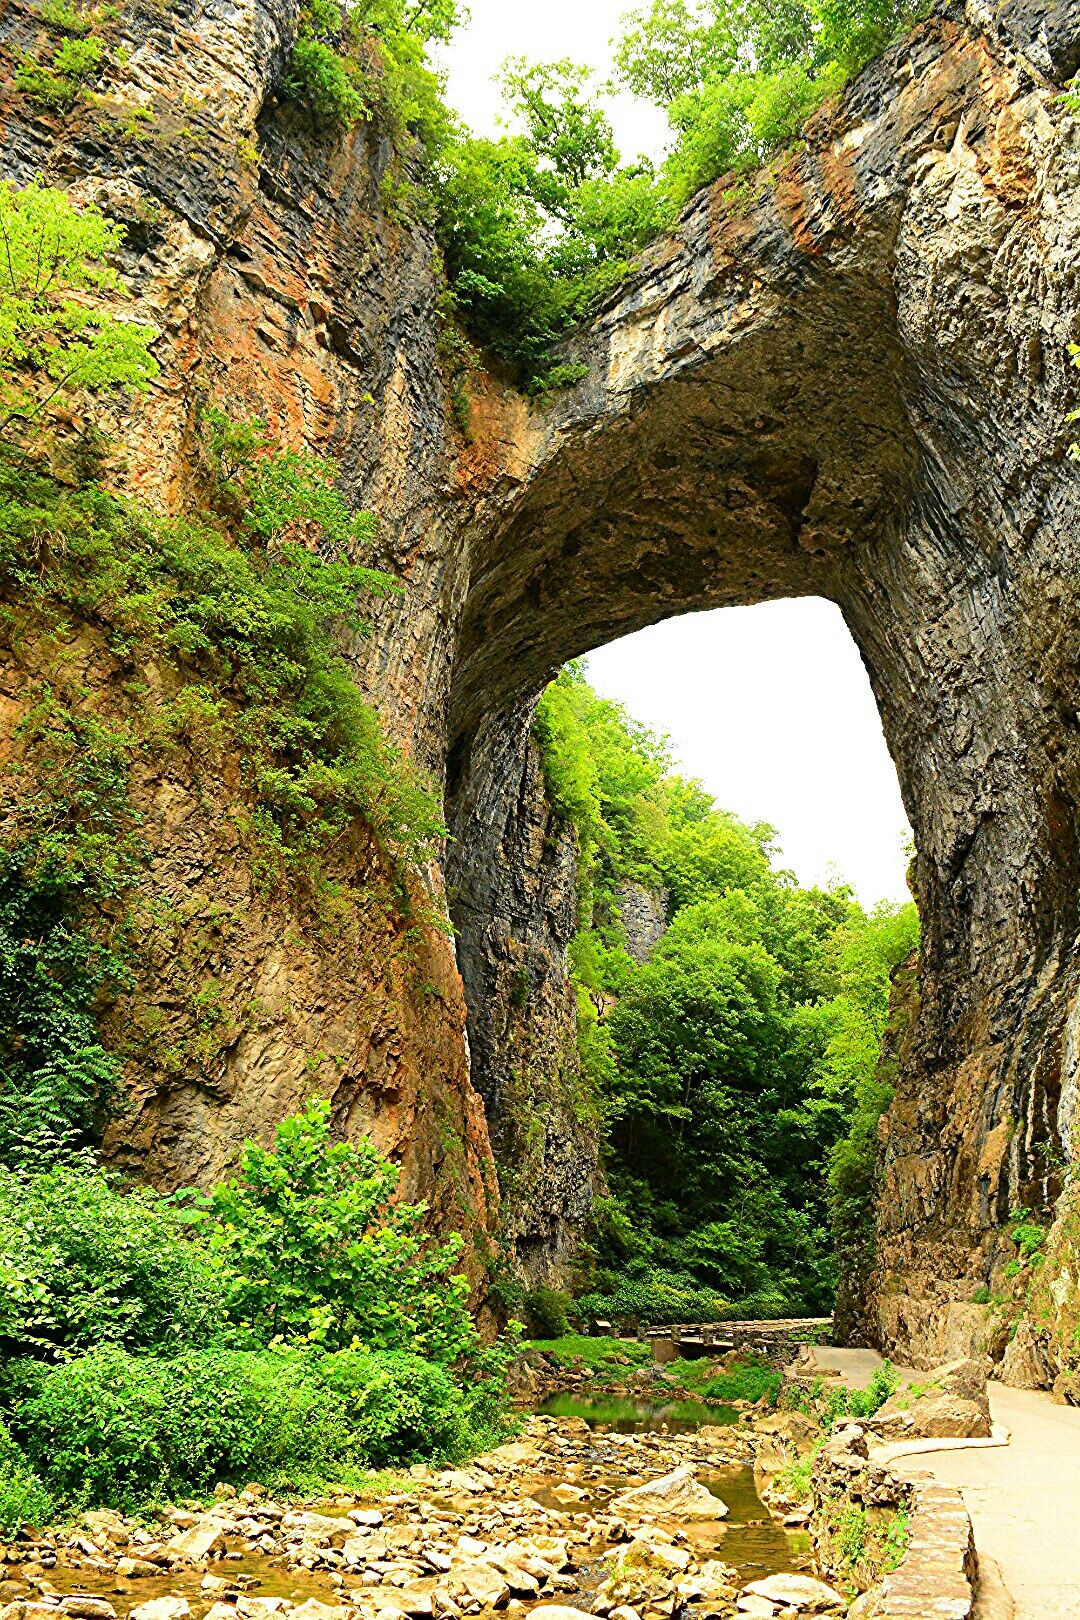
x: 936, y: 1578
x: 893, y: 1452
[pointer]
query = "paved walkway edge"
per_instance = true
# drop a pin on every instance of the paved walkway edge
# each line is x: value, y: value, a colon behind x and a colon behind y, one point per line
x: 937, y: 1576
x: 999, y: 1436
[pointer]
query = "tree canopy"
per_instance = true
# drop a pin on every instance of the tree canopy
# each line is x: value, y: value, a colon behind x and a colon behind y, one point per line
x: 737, y: 1068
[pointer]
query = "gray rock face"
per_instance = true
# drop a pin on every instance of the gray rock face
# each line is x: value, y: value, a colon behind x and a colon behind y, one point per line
x: 643, y: 914
x: 854, y: 383
x: 850, y: 379
x: 511, y: 875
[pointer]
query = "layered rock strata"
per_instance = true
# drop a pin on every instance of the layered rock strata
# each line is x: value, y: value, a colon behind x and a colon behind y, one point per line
x: 848, y: 378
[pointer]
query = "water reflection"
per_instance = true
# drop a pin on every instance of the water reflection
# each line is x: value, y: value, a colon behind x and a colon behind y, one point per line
x: 634, y: 1417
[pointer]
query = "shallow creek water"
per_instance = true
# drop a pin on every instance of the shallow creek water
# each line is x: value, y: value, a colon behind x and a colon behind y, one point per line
x: 749, y: 1538
x: 611, y: 1414
x: 604, y: 1462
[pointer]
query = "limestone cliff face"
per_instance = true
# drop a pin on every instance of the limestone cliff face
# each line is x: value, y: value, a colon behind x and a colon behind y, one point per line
x: 853, y: 381
x: 512, y: 874
x: 849, y: 379
x: 263, y: 254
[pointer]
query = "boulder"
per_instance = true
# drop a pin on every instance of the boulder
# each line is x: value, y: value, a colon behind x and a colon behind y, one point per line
x: 203, y: 1539
x: 136, y: 1569
x: 678, y: 1495
x: 162, y: 1608
x: 314, y: 1610
x: 319, y: 1528
x: 1067, y: 1389
x: 950, y: 1404
x: 783, y: 1437
x: 1029, y: 1362
x: 482, y: 1582
x: 798, y: 1592
x: 417, y: 1599
x: 81, y: 1606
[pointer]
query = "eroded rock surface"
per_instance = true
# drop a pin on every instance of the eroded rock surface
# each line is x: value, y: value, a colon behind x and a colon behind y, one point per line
x: 851, y: 380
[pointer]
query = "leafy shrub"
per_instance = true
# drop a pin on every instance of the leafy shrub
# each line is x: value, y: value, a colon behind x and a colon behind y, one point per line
x: 315, y: 1248
x: 655, y: 1298
x: 321, y: 78
x: 118, y: 1429
x: 49, y: 342
x: 82, y: 1264
x: 75, y: 20
x: 24, y: 1501
x: 399, y: 1408
x: 251, y: 628
x: 747, y: 1379
x: 861, y: 1403
x: 545, y: 1313
x: 1028, y: 1236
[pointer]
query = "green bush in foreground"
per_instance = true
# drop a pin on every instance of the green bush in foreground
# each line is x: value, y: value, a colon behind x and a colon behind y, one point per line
x: 116, y: 1429
x: 313, y: 1247
x: 82, y: 1264
x: 24, y: 1501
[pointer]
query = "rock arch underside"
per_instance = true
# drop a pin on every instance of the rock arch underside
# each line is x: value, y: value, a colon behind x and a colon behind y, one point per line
x: 848, y: 378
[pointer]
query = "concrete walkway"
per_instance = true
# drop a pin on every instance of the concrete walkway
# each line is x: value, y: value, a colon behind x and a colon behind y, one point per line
x: 1023, y: 1498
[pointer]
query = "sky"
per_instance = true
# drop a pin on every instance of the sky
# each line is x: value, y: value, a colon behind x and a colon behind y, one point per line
x: 769, y: 706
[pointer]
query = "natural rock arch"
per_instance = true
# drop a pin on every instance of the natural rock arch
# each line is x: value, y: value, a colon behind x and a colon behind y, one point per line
x: 848, y: 380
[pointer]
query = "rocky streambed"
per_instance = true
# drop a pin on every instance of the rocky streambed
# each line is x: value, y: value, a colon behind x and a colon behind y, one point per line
x: 564, y: 1521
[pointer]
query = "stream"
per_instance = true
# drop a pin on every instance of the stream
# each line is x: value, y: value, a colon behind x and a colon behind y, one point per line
x: 491, y: 1525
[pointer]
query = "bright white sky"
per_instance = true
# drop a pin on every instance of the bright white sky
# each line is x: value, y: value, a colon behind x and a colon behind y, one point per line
x: 769, y: 706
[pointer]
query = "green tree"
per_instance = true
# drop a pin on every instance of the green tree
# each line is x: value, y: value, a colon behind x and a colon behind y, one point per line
x: 732, y: 1065
x: 317, y: 1249
x: 51, y: 341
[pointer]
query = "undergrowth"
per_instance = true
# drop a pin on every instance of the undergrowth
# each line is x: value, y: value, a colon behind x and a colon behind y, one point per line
x: 599, y: 1353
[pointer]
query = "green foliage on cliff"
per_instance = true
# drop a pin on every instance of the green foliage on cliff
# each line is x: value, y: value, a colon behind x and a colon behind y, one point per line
x: 740, y: 1061
x: 540, y: 226
x: 68, y: 849
x: 739, y: 81
x: 217, y: 632
x: 245, y: 621
x: 352, y: 60
x: 51, y: 343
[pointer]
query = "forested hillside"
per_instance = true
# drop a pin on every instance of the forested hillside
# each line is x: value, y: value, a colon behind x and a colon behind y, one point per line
x: 736, y: 1067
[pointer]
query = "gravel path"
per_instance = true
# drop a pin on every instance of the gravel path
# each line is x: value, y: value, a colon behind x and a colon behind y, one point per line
x: 1024, y: 1498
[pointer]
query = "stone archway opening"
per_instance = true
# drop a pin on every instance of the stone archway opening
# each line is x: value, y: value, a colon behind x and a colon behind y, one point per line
x: 519, y: 913
x: 798, y: 395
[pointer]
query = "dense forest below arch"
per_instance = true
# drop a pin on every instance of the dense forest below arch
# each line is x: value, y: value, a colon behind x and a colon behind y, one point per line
x: 735, y: 1064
